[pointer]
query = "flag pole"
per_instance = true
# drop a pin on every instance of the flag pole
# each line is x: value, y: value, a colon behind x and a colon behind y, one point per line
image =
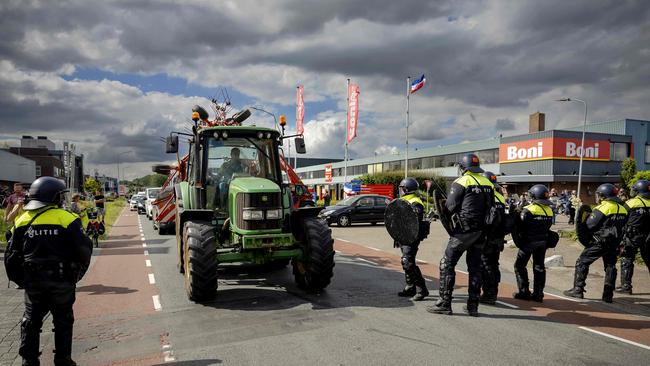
x: 295, y: 160
x: 408, y: 94
x: 347, y: 137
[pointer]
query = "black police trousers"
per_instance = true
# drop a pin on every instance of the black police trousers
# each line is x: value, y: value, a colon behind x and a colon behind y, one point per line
x: 42, y: 298
x: 537, y: 251
x: 472, y: 243
x: 412, y: 272
x: 490, y: 273
x: 630, y: 248
x: 609, y: 253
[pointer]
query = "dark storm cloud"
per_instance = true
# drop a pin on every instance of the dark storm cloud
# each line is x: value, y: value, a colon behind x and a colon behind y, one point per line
x: 504, y: 124
x: 144, y: 146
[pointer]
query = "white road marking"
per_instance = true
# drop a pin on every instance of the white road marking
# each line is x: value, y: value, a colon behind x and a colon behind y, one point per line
x: 144, y: 245
x: 565, y: 297
x: 147, y: 262
x: 366, y: 261
x: 168, y: 353
x: 152, y: 279
x: 146, y: 252
x: 347, y: 241
x: 373, y: 248
x: 508, y: 305
x: 142, y: 238
x: 156, y: 302
x: 337, y: 251
x: 616, y: 338
x: 461, y: 271
x: 421, y: 261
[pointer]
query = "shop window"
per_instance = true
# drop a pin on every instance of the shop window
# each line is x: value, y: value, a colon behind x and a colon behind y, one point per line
x: 415, y: 164
x: 647, y: 154
x: 619, y: 151
x: 38, y: 171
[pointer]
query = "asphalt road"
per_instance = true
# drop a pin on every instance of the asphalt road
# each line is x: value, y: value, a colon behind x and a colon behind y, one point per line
x: 139, y: 315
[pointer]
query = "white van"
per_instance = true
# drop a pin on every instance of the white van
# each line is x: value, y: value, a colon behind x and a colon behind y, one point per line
x: 151, y: 195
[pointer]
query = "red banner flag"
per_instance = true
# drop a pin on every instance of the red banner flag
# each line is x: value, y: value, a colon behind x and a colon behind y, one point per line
x: 300, y: 111
x: 353, y: 111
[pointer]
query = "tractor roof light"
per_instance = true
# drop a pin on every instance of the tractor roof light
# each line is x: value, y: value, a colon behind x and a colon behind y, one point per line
x: 283, y: 120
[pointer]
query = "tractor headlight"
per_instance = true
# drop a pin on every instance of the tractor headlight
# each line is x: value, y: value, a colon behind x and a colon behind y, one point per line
x: 274, y: 214
x: 253, y: 215
x: 260, y: 135
x: 268, y: 135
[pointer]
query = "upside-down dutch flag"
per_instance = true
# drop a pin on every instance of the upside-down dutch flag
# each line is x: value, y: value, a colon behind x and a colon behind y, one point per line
x: 418, y: 84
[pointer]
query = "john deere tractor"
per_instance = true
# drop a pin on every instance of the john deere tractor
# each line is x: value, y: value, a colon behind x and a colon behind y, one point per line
x: 233, y: 206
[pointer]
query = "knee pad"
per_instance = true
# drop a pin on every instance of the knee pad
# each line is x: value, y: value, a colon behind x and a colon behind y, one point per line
x: 408, y: 263
x: 539, y: 269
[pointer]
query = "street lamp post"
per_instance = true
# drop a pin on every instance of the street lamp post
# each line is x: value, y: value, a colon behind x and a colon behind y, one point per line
x: 582, y: 144
x: 118, y: 169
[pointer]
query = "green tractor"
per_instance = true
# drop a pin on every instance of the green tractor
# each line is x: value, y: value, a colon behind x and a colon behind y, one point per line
x: 234, y: 206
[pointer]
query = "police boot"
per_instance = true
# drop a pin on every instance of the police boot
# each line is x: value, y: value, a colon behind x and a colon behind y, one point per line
x: 610, y: 280
x: 539, y: 281
x: 522, y: 285
x: 472, y: 307
x: 627, y: 271
x: 409, y: 289
x: 31, y: 362
x: 421, y: 287
x: 447, y: 281
x: 579, y: 279
x: 67, y: 361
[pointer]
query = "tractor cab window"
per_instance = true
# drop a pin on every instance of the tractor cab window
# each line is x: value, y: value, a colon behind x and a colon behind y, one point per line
x: 236, y: 157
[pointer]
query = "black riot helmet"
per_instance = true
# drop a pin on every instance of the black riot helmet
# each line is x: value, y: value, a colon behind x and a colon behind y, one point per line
x: 539, y: 194
x: 642, y: 188
x: 408, y: 185
x: 470, y: 162
x: 606, y: 191
x: 490, y: 176
x: 45, y: 191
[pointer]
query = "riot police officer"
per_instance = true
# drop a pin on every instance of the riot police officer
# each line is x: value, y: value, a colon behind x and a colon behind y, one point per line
x: 415, y: 287
x: 532, y: 238
x: 490, y: 273
x: 469, y: 202
x: 637, y: 231
x: 55, y: 254
x: 606, y: 224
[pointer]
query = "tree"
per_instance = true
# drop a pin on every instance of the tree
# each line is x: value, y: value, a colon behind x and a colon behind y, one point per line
x: 628, y: 171
x: 92, y: 185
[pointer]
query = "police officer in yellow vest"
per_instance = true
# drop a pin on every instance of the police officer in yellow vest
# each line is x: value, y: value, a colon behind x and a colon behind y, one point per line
x: 606, y: 222
x: 470, y: 200
x: 48, y: 253
x: 416, y: 287
x: 536, y: 221
x: 490, y: 273
x: 637, y: 232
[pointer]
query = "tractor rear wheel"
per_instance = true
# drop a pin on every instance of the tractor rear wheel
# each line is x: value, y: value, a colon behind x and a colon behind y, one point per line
x: 200, y: 260
x: 314, y: 271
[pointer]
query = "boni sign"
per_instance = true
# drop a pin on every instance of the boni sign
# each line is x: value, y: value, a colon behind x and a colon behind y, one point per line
x: 553, y: 148
x: 328, y: 173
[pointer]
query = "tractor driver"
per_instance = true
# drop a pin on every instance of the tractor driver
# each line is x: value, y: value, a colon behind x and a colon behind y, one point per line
x: 234, y: 165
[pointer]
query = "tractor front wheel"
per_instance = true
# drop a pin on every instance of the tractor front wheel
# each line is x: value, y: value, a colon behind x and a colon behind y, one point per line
x: 315, y: 269
x: 200, y: 260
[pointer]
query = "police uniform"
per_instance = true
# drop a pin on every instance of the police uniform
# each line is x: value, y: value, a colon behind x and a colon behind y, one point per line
x: 56, y: 253
x: 470, y: 199
x: 413, y: 276
x: 606, y: 223
x: 536, y: 221
x: 490, y: 273
x: 637, y: 231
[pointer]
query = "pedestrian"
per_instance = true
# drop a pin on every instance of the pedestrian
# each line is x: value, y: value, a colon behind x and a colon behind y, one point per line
x: 637, y: 231
x: 99, y: 204
x: 532, y: 237
x: 47, y: 254
x: 415, y: 287
x: 605, y: 224
x: 490, y: 273
x: 469, y: 202
x: 327, y: 198
x: 622, y: 194
x: 14, y: 203
x: 574, y: 203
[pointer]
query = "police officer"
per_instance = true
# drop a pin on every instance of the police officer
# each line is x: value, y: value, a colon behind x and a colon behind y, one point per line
x: 533, y: 237
x: 491, y: 275
x: 56, y: 253
x: 637, y: 231
x: 416, y: 287
x: 606, y: 223
x: 470, y: 199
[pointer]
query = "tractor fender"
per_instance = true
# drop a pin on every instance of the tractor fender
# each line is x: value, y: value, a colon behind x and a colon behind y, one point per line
x: 297, y: 218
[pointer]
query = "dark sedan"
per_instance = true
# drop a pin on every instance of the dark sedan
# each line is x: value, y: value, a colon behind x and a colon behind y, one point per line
x: 364, y: 208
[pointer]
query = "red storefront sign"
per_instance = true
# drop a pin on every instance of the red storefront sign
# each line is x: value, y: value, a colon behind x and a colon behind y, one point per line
x: 328, y: 173
x: 553, y: 148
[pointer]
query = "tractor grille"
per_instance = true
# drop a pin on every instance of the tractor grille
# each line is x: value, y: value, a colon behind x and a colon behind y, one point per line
x: 260, y: 201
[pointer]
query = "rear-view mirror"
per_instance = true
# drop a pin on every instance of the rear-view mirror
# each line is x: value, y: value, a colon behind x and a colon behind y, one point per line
x: 300, y: 145
x: 171, y: 144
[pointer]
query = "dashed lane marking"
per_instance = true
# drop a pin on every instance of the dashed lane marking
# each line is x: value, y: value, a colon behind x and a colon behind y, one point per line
x: 367, y: 261
x: 146, y: 252
x: 566, y: 297
x: 616, y: 338
x: 508, y: 305
x: 147, y: 262
x: 142, y: 238
x: 375, y: 249
x: 168, y: 353
x: 144, y: 245
x: 156, y: 302
x: 343, y: 240
x: 152, y: 279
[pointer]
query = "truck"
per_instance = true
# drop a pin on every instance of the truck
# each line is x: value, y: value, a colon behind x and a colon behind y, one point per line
x: 233, y: 206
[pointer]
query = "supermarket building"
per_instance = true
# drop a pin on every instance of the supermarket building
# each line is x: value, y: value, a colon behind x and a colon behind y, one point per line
x: 540, y: 156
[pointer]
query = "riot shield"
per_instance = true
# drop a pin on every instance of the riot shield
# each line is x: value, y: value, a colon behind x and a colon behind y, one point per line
x: 441, y: 210
x: 585, y: 237
x: 401, y: 221
x: 516, y: 233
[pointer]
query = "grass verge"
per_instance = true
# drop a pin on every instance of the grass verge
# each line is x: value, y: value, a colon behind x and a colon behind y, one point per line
x: 113, y: 210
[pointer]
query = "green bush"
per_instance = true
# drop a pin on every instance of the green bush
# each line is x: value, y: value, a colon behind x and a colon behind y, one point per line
x: 628, y: 172
x: 395, y: 177
x: 644, y: 174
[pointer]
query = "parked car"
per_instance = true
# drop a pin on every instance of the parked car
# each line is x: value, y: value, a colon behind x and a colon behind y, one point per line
x: 363, y: 208
x: 150, y: 196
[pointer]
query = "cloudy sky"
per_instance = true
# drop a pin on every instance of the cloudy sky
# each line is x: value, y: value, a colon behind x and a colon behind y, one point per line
x: 114, y: 76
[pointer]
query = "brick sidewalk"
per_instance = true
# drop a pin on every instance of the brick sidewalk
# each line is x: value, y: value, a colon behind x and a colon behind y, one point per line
x: 11, y: 313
